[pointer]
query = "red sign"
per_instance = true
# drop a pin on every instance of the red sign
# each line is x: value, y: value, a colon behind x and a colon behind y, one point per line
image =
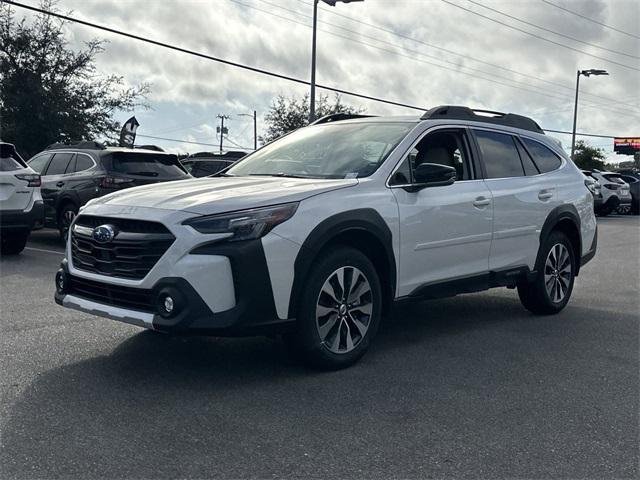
x: 626, y: 145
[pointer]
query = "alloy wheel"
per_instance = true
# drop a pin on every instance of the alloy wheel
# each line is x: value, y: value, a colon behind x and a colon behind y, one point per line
x: 343, y: 309
x: 557, y: 273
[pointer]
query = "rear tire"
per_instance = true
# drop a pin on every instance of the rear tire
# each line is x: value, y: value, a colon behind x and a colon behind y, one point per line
x: 12, y: 242
x: 550, y: 291
x: 339, y: 311
x: 65, y: 217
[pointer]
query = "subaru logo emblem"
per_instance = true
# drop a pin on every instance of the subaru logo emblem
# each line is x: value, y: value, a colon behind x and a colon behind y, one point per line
x: 104, y: 233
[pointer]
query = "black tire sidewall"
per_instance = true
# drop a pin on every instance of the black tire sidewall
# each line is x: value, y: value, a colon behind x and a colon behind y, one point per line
x: 61, y: 226
x: 13, y: 241
x: 307, y: 338
x: 553, y: 239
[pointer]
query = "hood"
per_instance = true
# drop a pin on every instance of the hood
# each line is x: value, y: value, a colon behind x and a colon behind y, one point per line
x: 211, y: 195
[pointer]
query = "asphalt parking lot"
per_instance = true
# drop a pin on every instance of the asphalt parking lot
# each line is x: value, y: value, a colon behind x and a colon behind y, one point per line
x: 472, y: 386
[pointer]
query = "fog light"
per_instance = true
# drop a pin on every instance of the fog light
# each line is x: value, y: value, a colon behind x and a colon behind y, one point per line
x: 61, y: 282
x: 168, y: 304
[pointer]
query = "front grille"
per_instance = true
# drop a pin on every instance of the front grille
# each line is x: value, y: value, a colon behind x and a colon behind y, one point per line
x: 136, y: 248
x: 116, y: 295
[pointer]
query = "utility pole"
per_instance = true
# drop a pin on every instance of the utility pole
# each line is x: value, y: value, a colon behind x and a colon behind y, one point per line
x: 222, y: 129
x: 255, y: 130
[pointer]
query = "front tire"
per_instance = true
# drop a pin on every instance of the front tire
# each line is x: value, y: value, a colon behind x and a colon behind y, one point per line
x: 65, y: 217
x: 550, y: 291
x: 339, y: 312
x: 12, y: 242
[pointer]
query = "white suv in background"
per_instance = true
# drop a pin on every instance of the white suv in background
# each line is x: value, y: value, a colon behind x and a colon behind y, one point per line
x: 317, y: 234
x: 21, y: 207
x: 615, y: 191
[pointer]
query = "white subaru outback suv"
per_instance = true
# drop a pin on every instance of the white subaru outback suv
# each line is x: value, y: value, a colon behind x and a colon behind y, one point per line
x: 317, y: 234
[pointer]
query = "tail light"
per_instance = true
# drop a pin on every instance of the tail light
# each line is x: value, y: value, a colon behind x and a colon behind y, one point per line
x: 33, y: 179
x: 115, y: 182
x: 611, y: 186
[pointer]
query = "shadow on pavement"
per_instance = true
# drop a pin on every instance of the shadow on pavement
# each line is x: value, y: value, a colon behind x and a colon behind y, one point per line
x: 450, y: 388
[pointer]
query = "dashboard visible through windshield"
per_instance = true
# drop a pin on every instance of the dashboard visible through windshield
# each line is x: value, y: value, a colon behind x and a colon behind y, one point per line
x: 351, y: 150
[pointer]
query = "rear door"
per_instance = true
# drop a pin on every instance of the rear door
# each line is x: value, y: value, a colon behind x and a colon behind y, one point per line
x: 53, y: 182
x: 14, y: 192
x: 522, y: 196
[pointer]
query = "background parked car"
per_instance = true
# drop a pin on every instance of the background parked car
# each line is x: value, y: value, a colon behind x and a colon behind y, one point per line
x: 634, y: 187
x: 21, y: 206
x: 74, y: 174
x: 615, y: 191
x: 595, y: 188
x: 203, y: 164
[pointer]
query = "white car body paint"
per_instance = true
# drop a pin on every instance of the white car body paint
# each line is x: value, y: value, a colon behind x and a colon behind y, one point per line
x: 437, y: 234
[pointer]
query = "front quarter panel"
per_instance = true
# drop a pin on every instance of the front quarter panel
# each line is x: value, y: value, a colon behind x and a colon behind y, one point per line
x: 283, y: 245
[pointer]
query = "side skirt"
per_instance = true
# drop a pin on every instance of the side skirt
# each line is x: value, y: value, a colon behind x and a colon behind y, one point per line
x: 475, y: 283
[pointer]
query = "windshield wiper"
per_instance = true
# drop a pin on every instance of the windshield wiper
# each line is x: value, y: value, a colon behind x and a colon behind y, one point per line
x: 145, y: 174
x: 279, y: 174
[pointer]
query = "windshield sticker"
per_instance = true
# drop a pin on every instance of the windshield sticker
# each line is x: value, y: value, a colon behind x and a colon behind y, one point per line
x: 351, y: 175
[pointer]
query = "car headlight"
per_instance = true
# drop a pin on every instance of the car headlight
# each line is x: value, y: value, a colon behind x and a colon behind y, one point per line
x: 244, y: 224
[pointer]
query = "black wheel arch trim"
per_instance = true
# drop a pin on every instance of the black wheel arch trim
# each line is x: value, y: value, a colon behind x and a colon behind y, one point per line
x: 361, y: 220
x: 557, y: 215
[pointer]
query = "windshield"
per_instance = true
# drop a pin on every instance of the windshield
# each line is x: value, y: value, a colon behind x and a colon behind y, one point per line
x: 349, y: 150
x: 147, y: 165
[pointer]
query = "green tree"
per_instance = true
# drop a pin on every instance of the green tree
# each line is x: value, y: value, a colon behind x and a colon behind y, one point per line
x: 290, y: 113
x: 587, y: 157
x: 49, y: 93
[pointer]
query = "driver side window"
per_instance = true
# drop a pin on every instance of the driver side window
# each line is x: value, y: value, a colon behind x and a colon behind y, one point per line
x: 444, y: 147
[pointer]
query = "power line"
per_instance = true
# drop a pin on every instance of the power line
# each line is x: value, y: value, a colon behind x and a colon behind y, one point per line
x: 469, y: 57
x: 572, y: 12
x: 538, y: 36
x: 235, y: 64
x: 175, y: 139
x: 553, y: 31
x: 457, y: 69
x: 208, y: 57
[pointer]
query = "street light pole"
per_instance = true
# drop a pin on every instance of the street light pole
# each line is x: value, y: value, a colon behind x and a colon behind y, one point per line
x: 575, y: 116
x: 312, y: 94
x: 255, y: 127
x: 586, y: 73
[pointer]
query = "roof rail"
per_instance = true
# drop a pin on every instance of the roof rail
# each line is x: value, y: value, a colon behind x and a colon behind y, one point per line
x: 334, y: 117
x: 453, y: 112
x: 81, y: 145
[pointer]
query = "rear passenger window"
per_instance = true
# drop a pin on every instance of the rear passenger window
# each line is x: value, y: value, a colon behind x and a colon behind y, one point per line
x: 545, y: 159
x: 500, y: 155
x: 38, y: 163
x: 527, y: 162
x: 83, y: 163
x: 59, y: 163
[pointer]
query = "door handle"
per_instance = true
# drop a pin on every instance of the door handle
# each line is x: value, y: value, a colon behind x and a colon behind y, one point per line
x: 481, y: 202
x: 59, y: 184
x: 545, y: 195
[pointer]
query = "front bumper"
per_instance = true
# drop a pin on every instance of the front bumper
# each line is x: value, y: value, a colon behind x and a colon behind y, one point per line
x: 252, y: 313
x: 23, y: 219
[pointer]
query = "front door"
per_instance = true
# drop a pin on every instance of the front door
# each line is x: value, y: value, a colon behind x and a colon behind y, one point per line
x: 445, y: 232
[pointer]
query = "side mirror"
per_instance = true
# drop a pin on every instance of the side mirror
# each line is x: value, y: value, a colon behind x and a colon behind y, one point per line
x: 434, y: 175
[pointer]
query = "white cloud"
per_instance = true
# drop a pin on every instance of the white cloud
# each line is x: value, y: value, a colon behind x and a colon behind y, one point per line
x: 186, y: 88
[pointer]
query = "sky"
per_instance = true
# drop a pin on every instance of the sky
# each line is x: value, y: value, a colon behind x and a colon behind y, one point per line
x: 418, y: 52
